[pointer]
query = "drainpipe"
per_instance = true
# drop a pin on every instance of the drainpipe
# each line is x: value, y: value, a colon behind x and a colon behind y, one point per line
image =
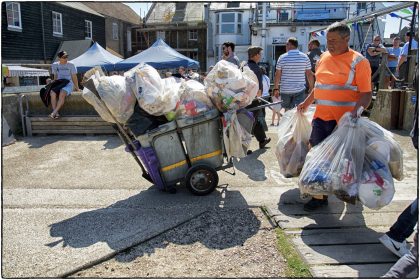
x: 43, y: 33
x: 263, y: 31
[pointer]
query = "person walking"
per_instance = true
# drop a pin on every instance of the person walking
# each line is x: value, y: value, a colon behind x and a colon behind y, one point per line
x: 374, y: 53
x: 254, y: 56
x: 342, y: 85
x: 393, y: 55
x: 228, y: 49
x: 62, y: 70
x: 314, y: 53
x: 402, y: 60
x: 291, y: 69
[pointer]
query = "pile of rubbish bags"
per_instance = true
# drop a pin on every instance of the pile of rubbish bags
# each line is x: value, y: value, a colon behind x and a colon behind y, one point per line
x: 358, y: 160
x: 231, y: 89
x: 142, y: 100
x: 293, y: 144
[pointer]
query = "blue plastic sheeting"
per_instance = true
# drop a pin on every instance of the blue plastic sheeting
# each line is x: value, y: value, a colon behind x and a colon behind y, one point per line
x: 95, y: 56
x: 159, y: 56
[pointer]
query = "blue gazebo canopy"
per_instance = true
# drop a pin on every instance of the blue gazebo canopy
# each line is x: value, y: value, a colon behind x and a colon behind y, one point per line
x: 159, y: 56
x: 95, y: 56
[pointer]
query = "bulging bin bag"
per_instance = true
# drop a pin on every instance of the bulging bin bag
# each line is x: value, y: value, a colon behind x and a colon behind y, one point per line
x: 376, y: 188
x: 98, y: 105
x: 236, y: 138
x: 117, y: 96
x: 293, y: 144
x: 193, y: 99
x: 383, y: 142
x: 155, y: 95
x: 229, y: 88
x: 335, y: 165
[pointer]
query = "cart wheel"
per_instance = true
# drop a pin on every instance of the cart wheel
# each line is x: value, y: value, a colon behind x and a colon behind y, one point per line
x: 201, y: 179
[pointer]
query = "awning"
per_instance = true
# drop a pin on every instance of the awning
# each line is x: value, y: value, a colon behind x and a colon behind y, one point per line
x: 19, y: 71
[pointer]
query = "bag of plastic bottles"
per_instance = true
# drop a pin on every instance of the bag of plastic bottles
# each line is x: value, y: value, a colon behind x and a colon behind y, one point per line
x: 229, y: 88
x: 335, y: 165
x: 376, y: 188
x: 193, y: 100
x: 155, y: 95
x: 383, y: 142
x: 293, y: 144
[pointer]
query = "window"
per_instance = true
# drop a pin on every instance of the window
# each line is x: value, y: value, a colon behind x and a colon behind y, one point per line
x: 233, y: 5
x: 88, y: 29
x: 57, y: 23
x: 282, y: 15
x: 228, y: 23
x: 361, y: 6
x: 13, y: 15
x: 115, y: 31
x: 160, y: 35
x: 193, y: 55
x: 192, y: 35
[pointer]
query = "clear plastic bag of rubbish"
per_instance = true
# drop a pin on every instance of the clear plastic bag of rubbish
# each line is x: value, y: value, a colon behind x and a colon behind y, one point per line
x: 376, y: 188
x: 383, y: 142
x: 193, y: 100
x: 229, y: 88
x: 94, y: 74
x: 335, y: 165
x: 155, y: 95
x: 293, y: 144
x: 117, y: 96
x: 98, y: 105
x: 236, y: 139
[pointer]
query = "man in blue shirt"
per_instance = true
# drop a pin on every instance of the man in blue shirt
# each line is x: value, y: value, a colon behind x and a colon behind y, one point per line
x: 291, y: 69
x: 393, y: 55
x: 404, y: 53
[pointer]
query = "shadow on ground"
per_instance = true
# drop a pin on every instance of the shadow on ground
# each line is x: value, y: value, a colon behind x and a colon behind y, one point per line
x: 252, y: 166
x: 112, y: 141
x: 218, y: 221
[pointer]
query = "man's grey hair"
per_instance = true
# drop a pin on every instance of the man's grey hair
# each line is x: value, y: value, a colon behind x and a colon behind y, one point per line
x: 339, y: 27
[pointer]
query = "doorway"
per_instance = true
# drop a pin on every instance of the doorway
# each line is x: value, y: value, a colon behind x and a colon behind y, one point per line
x: 277, y: 51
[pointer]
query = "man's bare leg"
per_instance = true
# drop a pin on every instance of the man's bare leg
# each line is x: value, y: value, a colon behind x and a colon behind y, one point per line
x: 60, y: 103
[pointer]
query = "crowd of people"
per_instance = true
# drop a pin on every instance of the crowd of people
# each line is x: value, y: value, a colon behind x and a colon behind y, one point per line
x: 338, y: 81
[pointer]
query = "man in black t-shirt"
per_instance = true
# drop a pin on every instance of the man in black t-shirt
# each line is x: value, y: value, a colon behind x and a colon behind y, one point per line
x: 314, y: 53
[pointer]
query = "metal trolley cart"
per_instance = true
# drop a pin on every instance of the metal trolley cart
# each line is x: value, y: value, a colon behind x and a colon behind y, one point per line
x: 189, y: 150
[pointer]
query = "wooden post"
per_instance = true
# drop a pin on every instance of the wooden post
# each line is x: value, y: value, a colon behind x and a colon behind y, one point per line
x: 411, y: 67
x: 382, y: 69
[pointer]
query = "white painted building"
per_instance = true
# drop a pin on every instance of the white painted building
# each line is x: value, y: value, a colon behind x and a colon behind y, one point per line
x: 299, y: 20
x: 228, y: 22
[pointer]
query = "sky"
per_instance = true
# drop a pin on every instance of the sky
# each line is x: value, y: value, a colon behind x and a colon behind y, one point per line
x: 392, y: 24
x: 137, y: 6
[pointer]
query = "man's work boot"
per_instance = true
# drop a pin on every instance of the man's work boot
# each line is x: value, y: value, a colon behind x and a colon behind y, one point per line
x: 315, y: 204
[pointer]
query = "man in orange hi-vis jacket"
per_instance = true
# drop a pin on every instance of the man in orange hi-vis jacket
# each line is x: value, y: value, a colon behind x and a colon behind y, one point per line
x: 343, y: 84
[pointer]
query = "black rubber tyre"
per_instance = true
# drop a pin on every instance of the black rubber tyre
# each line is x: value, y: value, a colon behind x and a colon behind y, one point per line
x: 201, y: 179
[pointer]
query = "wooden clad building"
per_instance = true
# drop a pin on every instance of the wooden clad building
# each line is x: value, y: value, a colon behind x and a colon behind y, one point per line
x: 33, y: 31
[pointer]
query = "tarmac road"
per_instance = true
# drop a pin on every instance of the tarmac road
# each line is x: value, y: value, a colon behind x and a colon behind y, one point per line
x: 70, y: 202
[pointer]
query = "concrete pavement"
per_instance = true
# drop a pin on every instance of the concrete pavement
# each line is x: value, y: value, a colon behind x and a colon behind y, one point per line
x: 72, y: 201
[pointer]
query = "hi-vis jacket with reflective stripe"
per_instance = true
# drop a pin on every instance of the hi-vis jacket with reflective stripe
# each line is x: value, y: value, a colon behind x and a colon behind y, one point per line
x: 339, y: 81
